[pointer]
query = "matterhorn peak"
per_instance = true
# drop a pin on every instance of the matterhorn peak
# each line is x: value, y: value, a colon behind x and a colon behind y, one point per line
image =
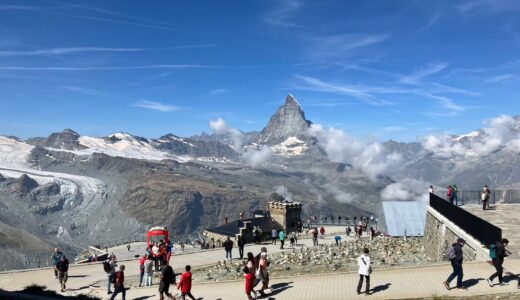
x: 288, y: 121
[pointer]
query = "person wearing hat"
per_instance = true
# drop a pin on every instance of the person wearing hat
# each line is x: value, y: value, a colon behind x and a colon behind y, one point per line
x: 456, y: 256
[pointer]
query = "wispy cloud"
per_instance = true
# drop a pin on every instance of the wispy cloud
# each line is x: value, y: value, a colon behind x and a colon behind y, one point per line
x: 419, y: 74
x: 314, y: 84
x: 475, y: 7
x: 446, y: 102
x: 500, y: 78
x: 216, y: 92
x: 70, y: 50
x: 16, y: 7
x: 442, y: 88
x: 108, y: 68
x: 281, y: 13
x: 82, y: 90
x: 158, y: 106
x: 336, y: 45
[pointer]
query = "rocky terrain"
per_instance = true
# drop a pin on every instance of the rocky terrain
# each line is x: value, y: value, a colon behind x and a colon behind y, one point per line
x: 384, y: 252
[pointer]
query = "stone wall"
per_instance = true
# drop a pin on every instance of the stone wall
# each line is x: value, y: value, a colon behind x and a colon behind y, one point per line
x: 440, y: 233
x: 287, y: 214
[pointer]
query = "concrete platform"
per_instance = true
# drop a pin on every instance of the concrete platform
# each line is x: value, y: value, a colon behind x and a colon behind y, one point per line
x: 505, y: 216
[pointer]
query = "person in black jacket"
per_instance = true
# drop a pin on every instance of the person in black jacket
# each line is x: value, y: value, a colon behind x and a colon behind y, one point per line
x: 241, y: 243
x: 501, y: 253
x: 228, y: 246
x: 456, y: 263
x: 63, y: 268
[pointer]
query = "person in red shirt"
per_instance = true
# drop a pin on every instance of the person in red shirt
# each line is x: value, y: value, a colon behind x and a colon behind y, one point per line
x: 119, y: 286
x: 250, y: 283
x: 141, y: 269
x: 185, y: 284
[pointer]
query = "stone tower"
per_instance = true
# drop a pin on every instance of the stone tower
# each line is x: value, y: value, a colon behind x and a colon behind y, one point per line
x: 287, y: 213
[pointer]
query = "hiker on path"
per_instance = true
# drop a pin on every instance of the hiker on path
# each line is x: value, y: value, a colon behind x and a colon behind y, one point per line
x: 241, y: 243
x: 141, y: 269
x: 63, y: 267
x: 486, y: 193
x: 185, y: 284
x: 148, y: 270
x: 228, y: 246
x: 454, y: 194
x: 314, y: 233
x: 263, y: 272
x: 55, y: 258
x: 110, y: 266
x: 364, y: 271
x: 431, y: 190
x: 449, y: 194
x: 455, y: 255
x: 167, y: 277
x: 274, y: 234
x: 128, y: 247
x: 281, y: 236
x: 250, y: 282
x: 119, y: 286
x: 497, y: 253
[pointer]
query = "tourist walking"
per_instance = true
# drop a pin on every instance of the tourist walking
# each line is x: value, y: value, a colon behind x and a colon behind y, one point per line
x: 63, y: 268
x: 431, y: 190
x: 148, y: 270
x: 486, y: 193
x: 110, y: 266
x: 141, y: 269
x: 241, y: 243
x: 293, y: 238
x: 263, y: 272
x: 456, y: 257
x: 497, y: 253
x: 348, y: 230
x: 251, y: 262
x: 228, y: 246
x: 365, y: 269
x: 281, y: 236
x: 167, y: 278
x: 274, y: 234
x: 119, y: 286
x: 360, y: 231
x: 185, y: 284
x: 372, y: 233
x: 322, y: 231
x: 250, y: 283
x: 314, y: 233
x: 55, y: 258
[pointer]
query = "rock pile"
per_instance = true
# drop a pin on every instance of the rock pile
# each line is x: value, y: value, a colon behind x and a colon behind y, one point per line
x: 385, y: 253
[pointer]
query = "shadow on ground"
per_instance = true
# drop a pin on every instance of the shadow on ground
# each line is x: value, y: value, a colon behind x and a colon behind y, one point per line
x: 380, y: 288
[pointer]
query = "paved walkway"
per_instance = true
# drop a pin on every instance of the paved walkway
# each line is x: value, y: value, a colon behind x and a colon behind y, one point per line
x: 386, y: 284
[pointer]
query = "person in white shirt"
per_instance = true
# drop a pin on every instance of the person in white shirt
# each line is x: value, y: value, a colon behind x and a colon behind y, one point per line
x: 431, y: 190
x: 365, y: 269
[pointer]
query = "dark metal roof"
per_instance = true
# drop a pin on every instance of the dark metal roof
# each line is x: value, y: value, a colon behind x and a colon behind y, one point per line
x: 232, y: 228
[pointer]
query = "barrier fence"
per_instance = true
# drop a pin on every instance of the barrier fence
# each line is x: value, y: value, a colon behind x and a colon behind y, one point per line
x: 496, y: 197
x: 480, y: 229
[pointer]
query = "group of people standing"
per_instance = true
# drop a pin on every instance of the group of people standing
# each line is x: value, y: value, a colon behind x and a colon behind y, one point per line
x: 256, y: 270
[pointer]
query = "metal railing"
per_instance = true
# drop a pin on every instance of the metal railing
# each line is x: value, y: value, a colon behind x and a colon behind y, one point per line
x: 480, y: 229
x: 496, y: 197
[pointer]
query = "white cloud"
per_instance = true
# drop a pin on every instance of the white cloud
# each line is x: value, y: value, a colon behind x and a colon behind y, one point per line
x: 282, y: 190
x: 219, y: 126
x: 282, y: 12
x: 155, y: 105
x: 338, y: 45
x: 371, y: 158
x: 408, y: 189
x: 257, y: 157
x: 58, y: 51
x: 216, y: 92
x: 82, y: 90
x: 107, y: 68
x: 500, y: 78
x: 417, y: 75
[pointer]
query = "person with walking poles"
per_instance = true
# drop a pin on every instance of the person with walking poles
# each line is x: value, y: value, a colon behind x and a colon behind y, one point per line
x: 228, y: 246
x: 365, y: 269
x: 456, y: 257
x: 497, y: 253
x: 486, y: 193
x: 119, y: 286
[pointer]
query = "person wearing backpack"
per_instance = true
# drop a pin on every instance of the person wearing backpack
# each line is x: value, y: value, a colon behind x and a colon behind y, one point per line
x: 497, y: 253
x: 454, y: 194
x: 365, y: 269
x: 167, y: 278
x: 55, y: 258
x: 456, y: 257
x: 110, y: 266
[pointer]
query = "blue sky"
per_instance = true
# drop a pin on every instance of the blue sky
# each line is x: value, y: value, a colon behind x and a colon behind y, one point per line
x: 385, y: 69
